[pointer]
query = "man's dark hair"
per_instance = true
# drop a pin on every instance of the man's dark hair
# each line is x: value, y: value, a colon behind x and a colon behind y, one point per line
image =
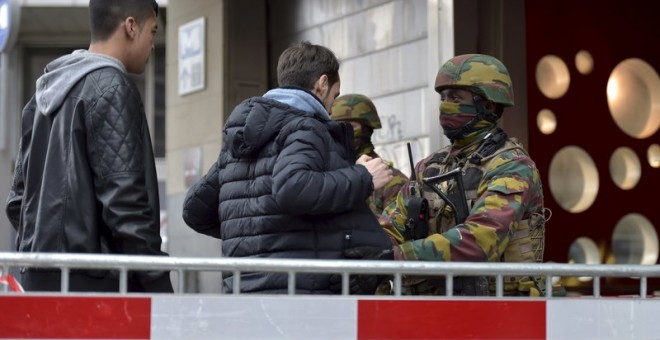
x: 302, y: 64
x: 106, y: 15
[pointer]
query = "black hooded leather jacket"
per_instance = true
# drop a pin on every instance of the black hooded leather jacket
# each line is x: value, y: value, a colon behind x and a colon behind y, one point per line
x: 85, y: 179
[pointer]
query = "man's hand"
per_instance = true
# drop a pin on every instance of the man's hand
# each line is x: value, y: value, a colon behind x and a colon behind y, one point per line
x: 378, y: 169
x: 362, y: 284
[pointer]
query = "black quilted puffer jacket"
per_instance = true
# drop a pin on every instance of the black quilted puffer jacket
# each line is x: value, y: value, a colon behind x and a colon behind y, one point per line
x: 285, y: 186
x: 85, y: 178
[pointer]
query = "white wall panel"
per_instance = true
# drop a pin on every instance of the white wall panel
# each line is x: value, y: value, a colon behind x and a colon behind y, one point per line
x: 255, y: 317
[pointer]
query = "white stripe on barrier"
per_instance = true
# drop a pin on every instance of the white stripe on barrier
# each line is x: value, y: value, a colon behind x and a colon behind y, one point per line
x: 605, y: 318
x: 252, y: 317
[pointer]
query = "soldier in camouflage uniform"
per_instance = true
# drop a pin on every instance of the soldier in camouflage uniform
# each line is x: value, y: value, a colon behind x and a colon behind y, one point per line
x: 502, y: 188
x: 360, y: 111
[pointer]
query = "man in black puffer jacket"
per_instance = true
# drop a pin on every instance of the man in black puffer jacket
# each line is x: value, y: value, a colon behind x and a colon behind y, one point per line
x: 286, y: 183
x: 85, y: 178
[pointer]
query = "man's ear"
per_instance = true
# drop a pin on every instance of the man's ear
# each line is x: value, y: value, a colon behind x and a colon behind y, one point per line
x: 320, y: 86
x: 131, y: 27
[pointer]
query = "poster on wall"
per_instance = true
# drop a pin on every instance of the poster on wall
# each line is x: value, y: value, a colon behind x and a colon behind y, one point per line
x: 192, y: 47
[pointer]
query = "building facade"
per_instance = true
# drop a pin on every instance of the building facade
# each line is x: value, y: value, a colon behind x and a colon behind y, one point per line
x: 212, y: 54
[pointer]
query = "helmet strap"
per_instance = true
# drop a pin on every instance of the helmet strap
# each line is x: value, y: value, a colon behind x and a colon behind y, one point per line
x: 491, y: 143
x: 482, y: 111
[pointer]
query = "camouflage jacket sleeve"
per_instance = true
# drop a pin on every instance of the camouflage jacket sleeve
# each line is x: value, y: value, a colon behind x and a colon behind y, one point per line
x: 507, y: 188
x: 384, y: 196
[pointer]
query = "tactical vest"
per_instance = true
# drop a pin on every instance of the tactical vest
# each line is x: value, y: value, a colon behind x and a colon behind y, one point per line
x: 526, y: 243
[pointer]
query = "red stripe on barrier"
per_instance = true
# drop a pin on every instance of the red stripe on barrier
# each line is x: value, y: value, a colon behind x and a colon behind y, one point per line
x: 41, y: 317
x: 440, y: 319
x: 11, y: 282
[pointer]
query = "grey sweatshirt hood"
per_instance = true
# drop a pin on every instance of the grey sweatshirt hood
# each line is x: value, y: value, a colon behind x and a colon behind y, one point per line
x: 63, y: 73
x: 298, y: 98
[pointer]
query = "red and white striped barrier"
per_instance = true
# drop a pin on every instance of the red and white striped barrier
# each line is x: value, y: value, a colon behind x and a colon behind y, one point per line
x: 8, y: 280
x: 302, y: 317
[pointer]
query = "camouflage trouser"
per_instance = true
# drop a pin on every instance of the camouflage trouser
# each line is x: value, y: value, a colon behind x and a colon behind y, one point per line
x: 462, y: 286
x: 527, y: 286
x: 473, y: 286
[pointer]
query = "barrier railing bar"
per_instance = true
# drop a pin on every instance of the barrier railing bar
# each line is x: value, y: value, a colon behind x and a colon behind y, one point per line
x: 449, y: 284
x: 64, y: 280
x: 181, y: 280
x: 499, y: 286
x: 397, y: 284
x: 548, y: 286
x: 345, y: 267
x: 344, y: 283
x: 642, y: 287
x: 123, y: 280
x: 5, y: 271
x: 292, y: 283
x: 236, y: 279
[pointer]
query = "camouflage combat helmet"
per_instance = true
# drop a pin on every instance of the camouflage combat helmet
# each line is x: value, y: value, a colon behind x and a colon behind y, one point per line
x: 356, y: 107
x: 479, y: 73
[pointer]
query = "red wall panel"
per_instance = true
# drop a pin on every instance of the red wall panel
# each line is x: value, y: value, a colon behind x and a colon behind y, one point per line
x: 611, y: 31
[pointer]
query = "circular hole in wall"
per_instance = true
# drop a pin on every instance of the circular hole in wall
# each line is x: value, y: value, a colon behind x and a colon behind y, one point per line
x: 633, y: 96
x: 552, y: 76
x: 584, y: 62
x: 653, y: 155
x: 634, y: 241
x: 573, y: 178
x: 584, y: 251
x: 625, y: 168
x: 546, y: 121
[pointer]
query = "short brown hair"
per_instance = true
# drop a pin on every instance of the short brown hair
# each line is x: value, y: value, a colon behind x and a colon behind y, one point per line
x: 303, y: 63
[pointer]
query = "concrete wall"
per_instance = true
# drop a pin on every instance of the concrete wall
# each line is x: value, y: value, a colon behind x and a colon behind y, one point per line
x: 383, y: 48
x: 236, y: 64
x: 193, y: 122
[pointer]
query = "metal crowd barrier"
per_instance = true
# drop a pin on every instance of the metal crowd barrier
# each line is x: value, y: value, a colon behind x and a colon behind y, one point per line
x: 181, y: 265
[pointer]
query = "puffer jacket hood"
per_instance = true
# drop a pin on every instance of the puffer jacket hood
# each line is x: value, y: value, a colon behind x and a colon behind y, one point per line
x: 256, y: 121
x: 62, y: 74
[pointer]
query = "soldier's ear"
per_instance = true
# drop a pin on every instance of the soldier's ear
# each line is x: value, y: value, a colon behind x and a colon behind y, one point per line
x: 487, y: 104
x: 491, y: 106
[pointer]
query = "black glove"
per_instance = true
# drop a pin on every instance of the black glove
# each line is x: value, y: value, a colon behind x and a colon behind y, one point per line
x: 369, y: 253
x: 362, y: 284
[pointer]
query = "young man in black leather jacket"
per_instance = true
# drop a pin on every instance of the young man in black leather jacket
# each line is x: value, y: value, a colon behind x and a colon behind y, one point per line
x: 85, y: 179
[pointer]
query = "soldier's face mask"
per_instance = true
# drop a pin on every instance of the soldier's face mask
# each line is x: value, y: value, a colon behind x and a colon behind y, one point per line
x: 361, y: 136
x: 454, y: 116
x: 357, y: 134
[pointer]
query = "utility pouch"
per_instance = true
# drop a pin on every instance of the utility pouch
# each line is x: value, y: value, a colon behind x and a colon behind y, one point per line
x: 417, y: 225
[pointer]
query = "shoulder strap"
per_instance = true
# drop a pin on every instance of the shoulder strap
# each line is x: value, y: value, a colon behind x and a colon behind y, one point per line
x: 492, y: 142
